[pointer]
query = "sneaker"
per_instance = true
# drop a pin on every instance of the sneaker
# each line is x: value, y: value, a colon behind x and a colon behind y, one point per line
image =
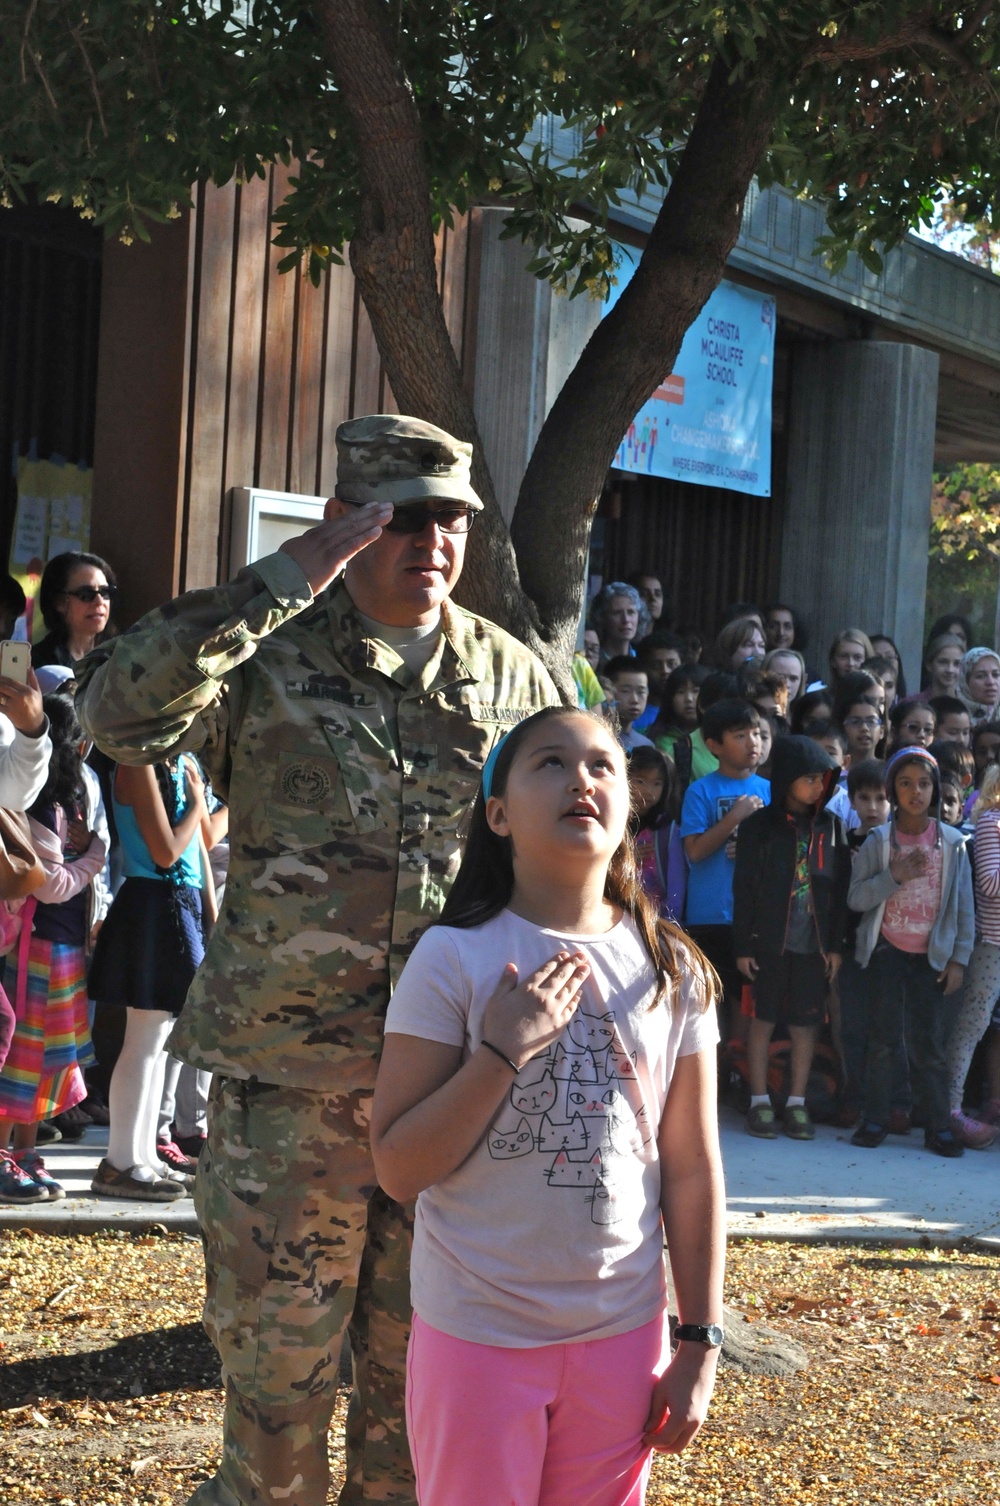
x: 33, y: 1166
x: 869, y: 1135
x: 943, y: 1142
x: 47, y: 1133
x: 172, y: 1156
x: 900, y: 1122
x: 191, y: 1145
x: 96, y: 1109
x: 973, y: 1132
x: 15, y: 1185
x: 181, y: 1179
x: 798, y: 1125
x: 110, y: 1182
x: 761, y: 1122
x: 72, y: 1123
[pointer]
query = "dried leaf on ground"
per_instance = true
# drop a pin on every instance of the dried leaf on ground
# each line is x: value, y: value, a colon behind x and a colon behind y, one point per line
x: 113, y: 1398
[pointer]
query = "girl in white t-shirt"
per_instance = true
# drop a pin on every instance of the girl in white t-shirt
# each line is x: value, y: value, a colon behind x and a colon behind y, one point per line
x: 548, y: 1089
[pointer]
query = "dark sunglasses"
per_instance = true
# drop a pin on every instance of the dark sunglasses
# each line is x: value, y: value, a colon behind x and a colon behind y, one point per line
x: 413, y: 517
x: 91, y: 593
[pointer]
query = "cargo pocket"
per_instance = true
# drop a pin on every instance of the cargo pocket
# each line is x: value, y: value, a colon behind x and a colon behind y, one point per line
x: 239, y: 1244
x: 368, y: 772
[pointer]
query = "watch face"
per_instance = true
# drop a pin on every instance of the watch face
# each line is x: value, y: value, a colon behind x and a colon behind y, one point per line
x: 714, y: 1334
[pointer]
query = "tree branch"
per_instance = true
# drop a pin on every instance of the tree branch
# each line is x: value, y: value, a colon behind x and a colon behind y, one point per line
x: 635, y: 345
x: 35, y: 57
x: 923, y: 30
x: 392, y: 256
x: 74, y: 33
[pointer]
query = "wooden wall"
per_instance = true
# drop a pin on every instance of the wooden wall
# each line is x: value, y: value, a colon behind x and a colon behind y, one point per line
x: 140, y: 417
x: 218, y: 371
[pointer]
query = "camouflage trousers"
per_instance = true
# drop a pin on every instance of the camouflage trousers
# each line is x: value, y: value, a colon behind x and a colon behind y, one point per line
x: 299, y: 1243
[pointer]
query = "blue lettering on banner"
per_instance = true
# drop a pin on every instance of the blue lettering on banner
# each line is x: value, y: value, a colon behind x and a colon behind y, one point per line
x: 710, y: 419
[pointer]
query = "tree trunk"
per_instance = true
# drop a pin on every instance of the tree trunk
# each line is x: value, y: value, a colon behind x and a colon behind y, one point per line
x: 392, y: 256
x: 635, y: 346
x: 531, y: 579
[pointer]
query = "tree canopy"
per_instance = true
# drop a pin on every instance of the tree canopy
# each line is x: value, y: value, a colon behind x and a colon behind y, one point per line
x: 119, y: 106
x: 964, y: 567
x: 399, y: 114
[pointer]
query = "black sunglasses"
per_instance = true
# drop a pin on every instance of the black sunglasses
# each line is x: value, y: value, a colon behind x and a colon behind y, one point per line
x: 413, y: 517
x: 91, y: 593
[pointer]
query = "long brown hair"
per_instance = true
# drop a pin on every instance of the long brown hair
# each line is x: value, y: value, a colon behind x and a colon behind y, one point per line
x: 485, y: 881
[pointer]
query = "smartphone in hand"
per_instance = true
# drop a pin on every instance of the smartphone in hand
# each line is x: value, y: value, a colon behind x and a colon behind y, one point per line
x: 15, y: 660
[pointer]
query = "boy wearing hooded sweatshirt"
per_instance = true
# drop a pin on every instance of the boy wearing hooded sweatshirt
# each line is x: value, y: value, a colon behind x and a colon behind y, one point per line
x: 912, y: 884
x: 790, y: 920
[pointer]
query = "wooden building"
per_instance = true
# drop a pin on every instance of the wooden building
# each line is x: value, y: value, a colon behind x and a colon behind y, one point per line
x: 187, y: 367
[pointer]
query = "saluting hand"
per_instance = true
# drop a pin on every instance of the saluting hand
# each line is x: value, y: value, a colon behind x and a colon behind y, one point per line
x: 323, y: 551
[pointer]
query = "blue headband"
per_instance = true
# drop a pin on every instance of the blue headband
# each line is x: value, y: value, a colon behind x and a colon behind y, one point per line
x: 490, y: 766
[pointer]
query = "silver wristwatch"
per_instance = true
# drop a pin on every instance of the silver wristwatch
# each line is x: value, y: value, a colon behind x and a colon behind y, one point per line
x: 709, y: 1334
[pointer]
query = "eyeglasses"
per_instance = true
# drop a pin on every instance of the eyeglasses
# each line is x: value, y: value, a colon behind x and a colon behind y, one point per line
x: 917, y: 727
x: 413, y: 517
x: 91, y: 593
x: 870, y: 722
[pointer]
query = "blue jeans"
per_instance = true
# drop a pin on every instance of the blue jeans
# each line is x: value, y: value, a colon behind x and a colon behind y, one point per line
x: 906, y: 1006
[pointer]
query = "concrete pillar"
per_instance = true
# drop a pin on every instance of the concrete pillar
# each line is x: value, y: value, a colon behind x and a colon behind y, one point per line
x: 528, y: 339
x: 857, y: 510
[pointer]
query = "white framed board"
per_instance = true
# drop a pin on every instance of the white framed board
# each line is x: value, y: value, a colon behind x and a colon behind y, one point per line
x: 262, y: 521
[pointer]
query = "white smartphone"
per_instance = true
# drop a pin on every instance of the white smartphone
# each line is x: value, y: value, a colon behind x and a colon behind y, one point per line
x: 15, y: 660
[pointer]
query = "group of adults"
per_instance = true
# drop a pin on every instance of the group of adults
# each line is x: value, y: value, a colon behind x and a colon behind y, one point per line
x: 627, y: 618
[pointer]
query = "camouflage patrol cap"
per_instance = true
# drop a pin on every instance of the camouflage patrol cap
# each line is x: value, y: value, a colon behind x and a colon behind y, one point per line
x: 388, y: 457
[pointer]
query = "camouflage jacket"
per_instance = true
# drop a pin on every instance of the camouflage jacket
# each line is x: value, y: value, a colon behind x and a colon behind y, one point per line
x: 345, y: 821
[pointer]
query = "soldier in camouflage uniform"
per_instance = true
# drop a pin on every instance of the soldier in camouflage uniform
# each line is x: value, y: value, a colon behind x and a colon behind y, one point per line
x: 346, y: 721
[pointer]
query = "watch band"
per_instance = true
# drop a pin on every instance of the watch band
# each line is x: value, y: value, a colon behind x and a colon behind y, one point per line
x: 700, y: 1333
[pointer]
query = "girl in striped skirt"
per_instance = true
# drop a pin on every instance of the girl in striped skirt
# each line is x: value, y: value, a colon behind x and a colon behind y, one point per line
x: 46, y: 976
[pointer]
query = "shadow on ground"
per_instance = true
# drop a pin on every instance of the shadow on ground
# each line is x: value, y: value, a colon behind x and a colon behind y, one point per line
x: 144, y: 1364
x: 912, y: 1261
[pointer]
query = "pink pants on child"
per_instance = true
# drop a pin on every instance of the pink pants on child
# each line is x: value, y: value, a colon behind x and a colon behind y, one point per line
x: 556, y: 1426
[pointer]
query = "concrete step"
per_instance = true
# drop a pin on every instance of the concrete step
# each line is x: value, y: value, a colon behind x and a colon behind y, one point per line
x: 73, y: 1165
x: 776, y: 1189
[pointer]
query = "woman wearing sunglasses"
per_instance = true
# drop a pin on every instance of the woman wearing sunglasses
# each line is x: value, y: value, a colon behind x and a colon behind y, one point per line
x: 75, y: 598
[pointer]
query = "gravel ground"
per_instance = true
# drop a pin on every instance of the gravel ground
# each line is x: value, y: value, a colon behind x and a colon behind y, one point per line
x: 109, y: 1391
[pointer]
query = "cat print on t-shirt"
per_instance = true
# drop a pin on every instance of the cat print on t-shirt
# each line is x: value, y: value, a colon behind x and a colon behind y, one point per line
x: 538, y: 1093
x: 591, y: 1032
x: 579, y: 1108
x: 506, y: 1144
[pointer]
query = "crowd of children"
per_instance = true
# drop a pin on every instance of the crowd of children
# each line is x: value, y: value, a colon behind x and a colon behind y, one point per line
x: 833, y: 846
x: 68, y: 946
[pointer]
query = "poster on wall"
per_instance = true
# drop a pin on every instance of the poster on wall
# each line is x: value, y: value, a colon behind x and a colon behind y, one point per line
x: 709, y: 421
x: 53, y: 516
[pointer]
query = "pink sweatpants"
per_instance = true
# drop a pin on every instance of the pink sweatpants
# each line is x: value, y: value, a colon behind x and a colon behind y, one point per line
x: 556, y: 1426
